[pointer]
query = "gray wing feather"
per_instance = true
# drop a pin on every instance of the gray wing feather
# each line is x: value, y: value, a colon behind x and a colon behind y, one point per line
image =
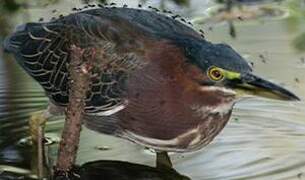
x: 42, y: 49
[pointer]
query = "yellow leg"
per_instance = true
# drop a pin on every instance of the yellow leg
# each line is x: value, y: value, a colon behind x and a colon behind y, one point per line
x: 37, y: 125
x: 163, y: 160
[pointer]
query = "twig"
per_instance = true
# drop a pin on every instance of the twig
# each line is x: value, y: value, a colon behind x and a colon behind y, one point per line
x: 79, y: 70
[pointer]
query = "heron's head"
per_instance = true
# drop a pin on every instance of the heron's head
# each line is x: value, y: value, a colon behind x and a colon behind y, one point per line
x: 219, y: 67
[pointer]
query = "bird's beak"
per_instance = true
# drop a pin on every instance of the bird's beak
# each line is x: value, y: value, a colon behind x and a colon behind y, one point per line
x: 249, y: 84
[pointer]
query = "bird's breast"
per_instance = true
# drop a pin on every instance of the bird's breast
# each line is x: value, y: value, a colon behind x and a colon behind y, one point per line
x: 167, y: 120
x: 164, y: 114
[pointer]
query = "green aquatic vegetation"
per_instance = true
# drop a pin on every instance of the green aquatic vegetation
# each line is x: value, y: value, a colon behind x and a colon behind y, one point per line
x: 10, y: 5
x: 296, y: 7
x: 299, y: 42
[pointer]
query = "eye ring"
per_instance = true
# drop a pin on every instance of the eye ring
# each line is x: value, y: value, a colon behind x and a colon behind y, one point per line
x: 215, y: 74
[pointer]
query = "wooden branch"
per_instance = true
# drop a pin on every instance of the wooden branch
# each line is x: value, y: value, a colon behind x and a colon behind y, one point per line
x: 79, y: 70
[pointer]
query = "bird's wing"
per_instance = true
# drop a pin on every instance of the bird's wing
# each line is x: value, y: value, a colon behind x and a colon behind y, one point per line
x: 42, y: 49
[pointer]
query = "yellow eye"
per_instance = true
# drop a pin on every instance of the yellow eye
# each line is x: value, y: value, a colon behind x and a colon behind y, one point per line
x: 215, y: 74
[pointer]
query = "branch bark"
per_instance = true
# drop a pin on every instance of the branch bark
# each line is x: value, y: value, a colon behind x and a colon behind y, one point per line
x: 79, y: 70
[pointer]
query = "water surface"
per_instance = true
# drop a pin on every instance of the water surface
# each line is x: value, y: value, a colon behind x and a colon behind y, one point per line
x: 263, y: 140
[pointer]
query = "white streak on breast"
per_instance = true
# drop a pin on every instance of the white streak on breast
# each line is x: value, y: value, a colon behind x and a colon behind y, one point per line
x: 223, y: 109
x: 152, y: 141
x: 218, y: 88
x: 158, y: 142
x: 197, y: 139
x: 204, y: 111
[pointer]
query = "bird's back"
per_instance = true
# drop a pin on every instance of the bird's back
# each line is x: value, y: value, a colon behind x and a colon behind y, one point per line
x: 157, y: 24
x: 42, y: 49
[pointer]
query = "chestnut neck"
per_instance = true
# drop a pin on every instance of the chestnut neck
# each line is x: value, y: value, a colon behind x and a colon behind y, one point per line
x: 164, y: 104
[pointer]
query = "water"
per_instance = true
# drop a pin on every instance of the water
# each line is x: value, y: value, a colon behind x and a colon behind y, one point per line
x: 263, y: 140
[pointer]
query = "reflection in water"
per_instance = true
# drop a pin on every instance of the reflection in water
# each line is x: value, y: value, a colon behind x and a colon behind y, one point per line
x: 119, y: 170
x: 263, y: 140
x: 299, y: 42
x: 295, y: 22
x: 234, y: 11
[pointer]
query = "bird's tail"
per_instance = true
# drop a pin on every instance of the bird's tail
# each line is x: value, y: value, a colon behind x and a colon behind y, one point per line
x: 27, y: 44
x: 14, y: 42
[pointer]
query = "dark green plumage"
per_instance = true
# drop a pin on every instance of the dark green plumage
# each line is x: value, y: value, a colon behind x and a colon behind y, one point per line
x: 42, y: 49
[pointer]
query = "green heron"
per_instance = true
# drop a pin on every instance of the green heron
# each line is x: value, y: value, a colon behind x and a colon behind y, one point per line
x: 161, y: 84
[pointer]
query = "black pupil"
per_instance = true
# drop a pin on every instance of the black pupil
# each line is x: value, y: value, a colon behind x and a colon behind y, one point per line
x: 216, y: 74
